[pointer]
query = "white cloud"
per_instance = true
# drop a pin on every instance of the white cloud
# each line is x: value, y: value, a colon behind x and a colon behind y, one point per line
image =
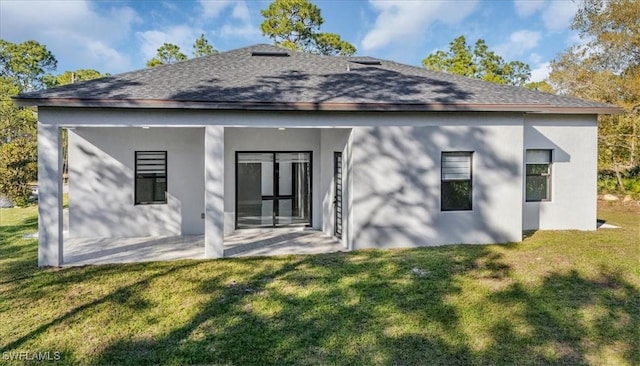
x: 559, y: 15
x: 180, y: 35
x: 170, y: 6
x: 525, y: 8
x: 244, y: 31
x: 213, y: 8
x: 400, y: 19
x: 556, y: 15
x: 535, y: 58
x: 541, y: 72
x: 73, y: 31
x: 237, y: 23
x: 519, y: 42
x: 99, y: 50
x: 241, y: 12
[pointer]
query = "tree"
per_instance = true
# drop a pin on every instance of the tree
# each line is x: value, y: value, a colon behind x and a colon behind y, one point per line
x: 295, y: 24
x: 331, y: 44
x: 478, y: 63
x: 25, y: 64
x: 542, y: 86
x: 70, y: 77
x: 168, y: 53
x: 607, y: 69
x: 14, y: 122
x: 23, y: 68
x: 18, y: 146
x: 201, y: 47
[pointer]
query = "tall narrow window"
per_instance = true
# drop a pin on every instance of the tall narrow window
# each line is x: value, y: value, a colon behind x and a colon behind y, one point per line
x: 456, y: 184
x: 151, y: 177
x: 538, y: 171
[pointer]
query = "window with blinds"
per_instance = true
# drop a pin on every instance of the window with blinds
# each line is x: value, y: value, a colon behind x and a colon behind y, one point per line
x: 151, y: 177
x: 538, y: 175
x: 456, y: 181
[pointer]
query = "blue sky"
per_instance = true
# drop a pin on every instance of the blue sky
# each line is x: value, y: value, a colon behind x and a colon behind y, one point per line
x: 118, y: 36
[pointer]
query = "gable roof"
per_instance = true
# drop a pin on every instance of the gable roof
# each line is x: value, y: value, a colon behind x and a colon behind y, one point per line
x: 264, y: 77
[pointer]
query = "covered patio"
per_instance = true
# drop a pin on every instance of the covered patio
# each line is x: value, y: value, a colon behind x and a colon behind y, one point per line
x: 248, y: 242
x: 209, y: 184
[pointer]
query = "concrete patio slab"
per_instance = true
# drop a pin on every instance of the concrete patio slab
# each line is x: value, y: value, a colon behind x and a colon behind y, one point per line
x: 127, y: 250
x: 247, y: 242
x: 294, y: 240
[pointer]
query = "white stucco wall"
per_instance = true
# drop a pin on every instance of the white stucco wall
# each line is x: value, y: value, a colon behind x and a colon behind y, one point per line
x: 573, y: 140
x: 101, y: 182
x: 396, y: 181
x: 214, y: 172
x: 392, y: 161
x: 331, y: 141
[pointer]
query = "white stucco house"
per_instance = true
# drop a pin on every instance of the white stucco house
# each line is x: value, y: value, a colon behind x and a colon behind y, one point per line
x: 375, y: 153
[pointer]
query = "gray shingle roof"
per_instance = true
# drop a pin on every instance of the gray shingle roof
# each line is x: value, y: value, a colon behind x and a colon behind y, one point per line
x: 241, y: 79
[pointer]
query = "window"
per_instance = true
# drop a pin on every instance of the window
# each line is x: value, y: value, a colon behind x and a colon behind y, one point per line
x: 456, y: 181
x: 151, y: 177
x: 538, y: 171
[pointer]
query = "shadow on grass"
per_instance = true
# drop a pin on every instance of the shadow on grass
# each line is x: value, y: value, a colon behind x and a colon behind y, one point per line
x: 375, y: 319
x: 369, y: 307
x: 128, y: 294
x: 18, y: 255
x: 304, y: 311
x: 570, y: 316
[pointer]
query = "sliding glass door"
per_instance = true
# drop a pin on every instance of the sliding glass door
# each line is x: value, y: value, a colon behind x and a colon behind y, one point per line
x: 273, y: 189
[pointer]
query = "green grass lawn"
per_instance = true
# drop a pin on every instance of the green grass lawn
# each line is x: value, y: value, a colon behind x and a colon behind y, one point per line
x: 557, y: 298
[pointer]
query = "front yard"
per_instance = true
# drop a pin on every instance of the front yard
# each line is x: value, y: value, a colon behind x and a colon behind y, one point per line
x: 556, y: 298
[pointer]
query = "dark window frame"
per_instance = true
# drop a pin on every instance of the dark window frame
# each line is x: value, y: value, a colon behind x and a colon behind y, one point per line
x: 275, y: 182
x: 548, y: 176
x: 444, y: 182
x: 138, y: 175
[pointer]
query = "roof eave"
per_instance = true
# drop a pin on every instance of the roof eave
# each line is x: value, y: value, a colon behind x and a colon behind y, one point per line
x: 582, y: 110
x: 311, y: 106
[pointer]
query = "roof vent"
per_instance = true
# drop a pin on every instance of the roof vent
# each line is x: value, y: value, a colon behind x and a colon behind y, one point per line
x: 366, y: 62
x: 270, y: 53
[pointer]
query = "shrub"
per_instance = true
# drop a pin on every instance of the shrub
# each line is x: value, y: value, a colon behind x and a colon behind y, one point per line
x: 610, y: 185
x: 18, y: 167
x: 632, y: 187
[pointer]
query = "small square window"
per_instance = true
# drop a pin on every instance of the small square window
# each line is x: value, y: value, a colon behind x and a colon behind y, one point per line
x: 538, y: 175
x: 151, y: 177
x: 456, y: 185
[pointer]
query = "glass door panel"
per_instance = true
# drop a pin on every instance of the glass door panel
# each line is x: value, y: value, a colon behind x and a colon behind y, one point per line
x: 255, y: 190
x: 284, y: 213
x: 294, y: 188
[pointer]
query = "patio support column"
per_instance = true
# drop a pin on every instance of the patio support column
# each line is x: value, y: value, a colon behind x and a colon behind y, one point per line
x: 50, y: 239
x: 214, y: 192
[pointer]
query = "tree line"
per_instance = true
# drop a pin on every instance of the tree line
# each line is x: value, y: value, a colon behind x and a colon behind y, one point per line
x: 605, y: 68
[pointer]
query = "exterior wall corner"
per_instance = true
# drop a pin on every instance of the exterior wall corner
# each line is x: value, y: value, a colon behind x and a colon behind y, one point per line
x: 50, y: 236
